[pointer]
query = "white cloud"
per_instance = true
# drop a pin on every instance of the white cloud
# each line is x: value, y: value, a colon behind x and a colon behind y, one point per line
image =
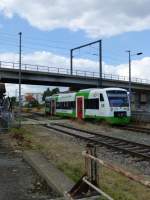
x: 98, y: 18
x: 139, y: 67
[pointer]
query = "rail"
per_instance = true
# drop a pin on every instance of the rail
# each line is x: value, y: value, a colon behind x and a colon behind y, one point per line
x: 58, y: 70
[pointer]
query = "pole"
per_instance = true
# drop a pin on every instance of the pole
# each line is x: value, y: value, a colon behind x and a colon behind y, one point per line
x: 100, y: 64
x: 71, y: 61
x: 20, y: 43
x: 100, y: 57
x: 129, y: 76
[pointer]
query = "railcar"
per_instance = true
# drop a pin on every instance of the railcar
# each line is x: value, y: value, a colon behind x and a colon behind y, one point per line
x: 110, y: 104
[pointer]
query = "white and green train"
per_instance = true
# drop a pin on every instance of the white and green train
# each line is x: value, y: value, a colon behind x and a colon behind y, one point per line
x: 110, y: 104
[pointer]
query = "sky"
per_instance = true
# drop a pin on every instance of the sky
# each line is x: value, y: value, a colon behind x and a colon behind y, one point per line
x: 51, y: 28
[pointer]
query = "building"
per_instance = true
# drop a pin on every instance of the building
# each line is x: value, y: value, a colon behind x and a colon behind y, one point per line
x: 37, y: 96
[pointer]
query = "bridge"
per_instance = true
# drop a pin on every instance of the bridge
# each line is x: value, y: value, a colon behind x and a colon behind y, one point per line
x: 53, y: 76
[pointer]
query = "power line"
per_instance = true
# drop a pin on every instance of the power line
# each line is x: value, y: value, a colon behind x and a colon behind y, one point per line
x: 30, y: 38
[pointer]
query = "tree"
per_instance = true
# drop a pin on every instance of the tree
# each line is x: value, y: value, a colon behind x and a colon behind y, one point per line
x: 13, y: 101
x: 2, y: 89
x: 55, y: 91
x: 49, y: 92
x: 29, y: 98
x: 46, y: 94
x: 31, y: 101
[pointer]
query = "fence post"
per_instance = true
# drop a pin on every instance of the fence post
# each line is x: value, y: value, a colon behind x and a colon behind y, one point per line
x: 91, y: 167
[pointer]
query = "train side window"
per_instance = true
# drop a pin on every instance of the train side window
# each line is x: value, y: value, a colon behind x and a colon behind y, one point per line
x: 65, y: 105
x: 91, y: 103
x: 101, y: 97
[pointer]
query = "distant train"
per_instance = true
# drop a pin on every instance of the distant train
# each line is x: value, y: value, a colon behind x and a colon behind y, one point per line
x: 110, y: 104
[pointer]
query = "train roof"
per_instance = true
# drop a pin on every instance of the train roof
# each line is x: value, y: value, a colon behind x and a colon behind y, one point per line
x: 62, y: 95
x: 101, y: 89
x: 71, y: 95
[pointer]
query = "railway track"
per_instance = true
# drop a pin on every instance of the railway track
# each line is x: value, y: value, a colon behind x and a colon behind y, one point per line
x: 33, y: 116
x: 137, y: 150
x: 134, y: 129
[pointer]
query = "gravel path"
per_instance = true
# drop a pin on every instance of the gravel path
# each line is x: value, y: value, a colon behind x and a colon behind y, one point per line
x: 17, y: 180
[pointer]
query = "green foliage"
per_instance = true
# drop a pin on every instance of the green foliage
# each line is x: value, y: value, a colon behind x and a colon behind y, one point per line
x: 72, y: 172
x: 49, y: 92
x: 13, y: 101
x: 35, y: 103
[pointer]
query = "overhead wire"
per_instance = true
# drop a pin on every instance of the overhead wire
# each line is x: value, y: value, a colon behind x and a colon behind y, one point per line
x: 12, y: 39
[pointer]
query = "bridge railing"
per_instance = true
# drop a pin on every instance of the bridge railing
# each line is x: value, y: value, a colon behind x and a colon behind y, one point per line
x: 58, y: 70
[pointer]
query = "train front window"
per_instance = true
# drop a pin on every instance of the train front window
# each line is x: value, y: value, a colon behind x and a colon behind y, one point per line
x: 118, y: 98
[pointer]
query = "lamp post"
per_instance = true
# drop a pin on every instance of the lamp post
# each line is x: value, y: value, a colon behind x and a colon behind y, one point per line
x: 20, y: 104
x: 130, y: 56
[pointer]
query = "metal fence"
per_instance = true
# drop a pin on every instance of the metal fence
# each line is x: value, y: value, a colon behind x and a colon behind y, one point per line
x: 6, y: 115
x: 90, y: 181
x: 58, y: 70
x: 5, y: 121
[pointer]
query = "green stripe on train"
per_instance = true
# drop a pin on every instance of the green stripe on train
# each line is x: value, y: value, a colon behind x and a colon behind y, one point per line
x: 63, y: 114
x: 111, y: 120
x: 84, y: 94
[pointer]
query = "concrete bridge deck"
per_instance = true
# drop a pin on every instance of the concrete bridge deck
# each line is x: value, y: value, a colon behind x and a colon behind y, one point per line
x: 51, y: 76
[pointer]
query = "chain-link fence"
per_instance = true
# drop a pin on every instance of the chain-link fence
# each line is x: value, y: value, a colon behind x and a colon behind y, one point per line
x: 6, y: 120
x: 6, y: 115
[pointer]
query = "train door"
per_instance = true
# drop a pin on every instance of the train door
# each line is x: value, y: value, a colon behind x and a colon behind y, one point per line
x: 80, y: 107
x: 53, y: 107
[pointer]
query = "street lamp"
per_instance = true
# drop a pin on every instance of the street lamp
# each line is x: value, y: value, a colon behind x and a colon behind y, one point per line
x: 20, y: 52
x: 130, y: 55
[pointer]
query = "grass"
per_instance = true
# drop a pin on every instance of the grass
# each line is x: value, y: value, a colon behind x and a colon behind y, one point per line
x: 117, y: 186
x: 24, y: 139
x: 71, y: 171
x: 66, y: 155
